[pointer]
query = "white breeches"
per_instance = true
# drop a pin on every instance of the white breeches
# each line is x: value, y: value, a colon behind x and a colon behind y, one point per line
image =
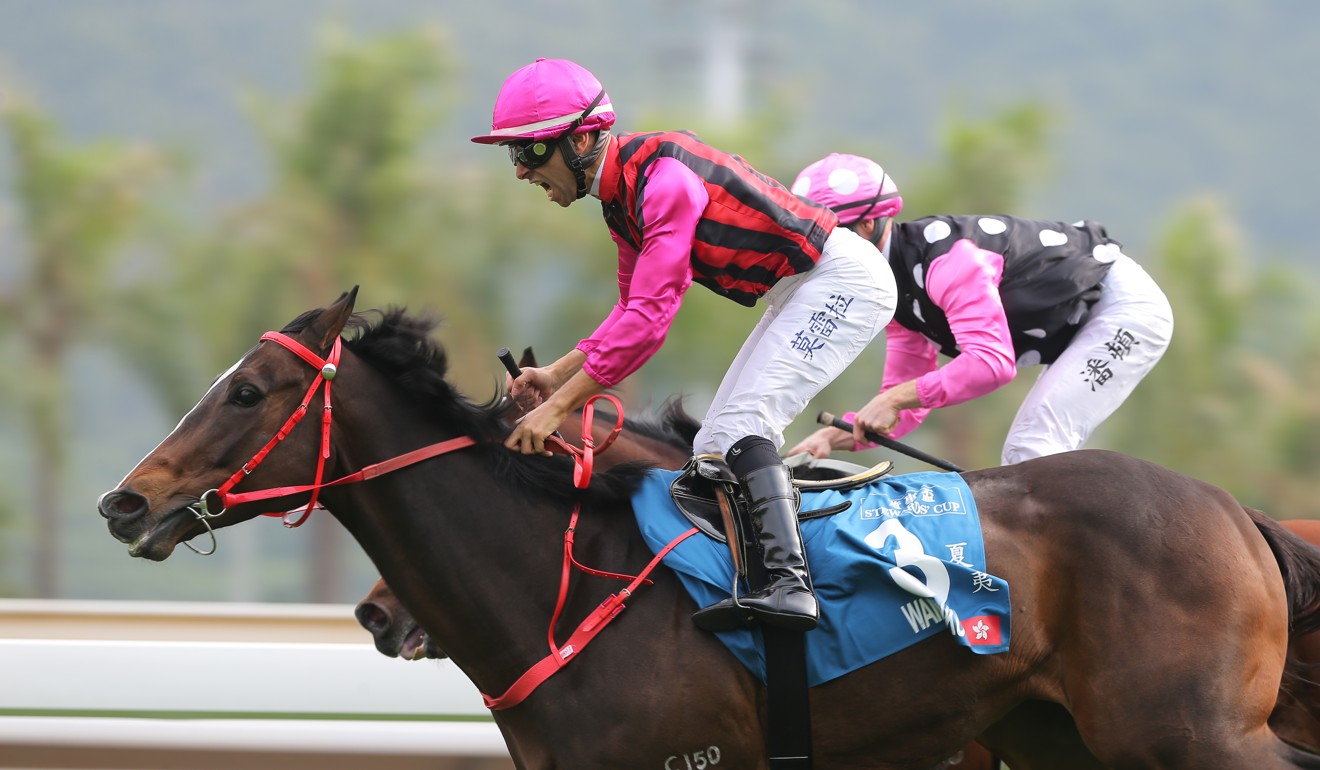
x: 815, y: 324
x: 1122, y: 339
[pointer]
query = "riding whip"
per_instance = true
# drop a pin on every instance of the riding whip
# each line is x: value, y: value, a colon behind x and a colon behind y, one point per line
x: 515, y: 371
x: 825, y: 418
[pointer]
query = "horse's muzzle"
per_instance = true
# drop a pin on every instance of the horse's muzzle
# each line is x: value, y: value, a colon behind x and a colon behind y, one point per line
x: 151, y: 530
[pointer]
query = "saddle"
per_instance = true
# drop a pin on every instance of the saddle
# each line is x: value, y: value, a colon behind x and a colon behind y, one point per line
x: 708, y: 494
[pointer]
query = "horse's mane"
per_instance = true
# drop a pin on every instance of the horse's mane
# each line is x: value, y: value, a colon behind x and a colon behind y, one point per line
x: 400, y: 347
x: 671, y: 424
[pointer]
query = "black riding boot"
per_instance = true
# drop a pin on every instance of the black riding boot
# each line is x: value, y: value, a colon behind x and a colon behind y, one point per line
x: 787, y: 599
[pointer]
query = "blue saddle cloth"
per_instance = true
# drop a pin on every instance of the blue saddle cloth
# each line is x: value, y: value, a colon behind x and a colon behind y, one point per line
x: 903, y: 563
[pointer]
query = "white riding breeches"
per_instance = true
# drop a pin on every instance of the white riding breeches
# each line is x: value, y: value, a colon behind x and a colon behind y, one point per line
x: 1122, y: 339
x: 815, y: 324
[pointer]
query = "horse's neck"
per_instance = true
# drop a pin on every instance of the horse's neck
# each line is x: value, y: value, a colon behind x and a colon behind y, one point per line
x: 472, y: 560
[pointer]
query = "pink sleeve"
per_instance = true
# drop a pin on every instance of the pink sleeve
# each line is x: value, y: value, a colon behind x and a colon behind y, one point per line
x: 651, y: 282
x: 965, y: 284
x: 908, y: 356
x: 627, y: 259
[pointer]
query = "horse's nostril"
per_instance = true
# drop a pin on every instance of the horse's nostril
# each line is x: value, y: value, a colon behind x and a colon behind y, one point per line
x: 121, y: 504
x: 372, y: 617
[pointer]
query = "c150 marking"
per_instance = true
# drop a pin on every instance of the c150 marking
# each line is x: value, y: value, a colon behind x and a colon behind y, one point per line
x: 697, y: 760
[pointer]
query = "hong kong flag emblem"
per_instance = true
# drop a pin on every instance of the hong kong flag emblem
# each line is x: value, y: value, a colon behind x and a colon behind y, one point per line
x: 982, y: 629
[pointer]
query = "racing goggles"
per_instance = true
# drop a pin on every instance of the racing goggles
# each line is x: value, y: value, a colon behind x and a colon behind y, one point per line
x: 530, y: 153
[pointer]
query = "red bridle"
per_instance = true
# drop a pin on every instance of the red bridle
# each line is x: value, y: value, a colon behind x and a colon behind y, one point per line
x: 326, y: 368
x: 583, y: 462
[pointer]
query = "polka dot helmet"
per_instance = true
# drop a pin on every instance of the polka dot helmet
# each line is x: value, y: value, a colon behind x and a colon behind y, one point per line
x: 546, y: 99
x: 853, y: 187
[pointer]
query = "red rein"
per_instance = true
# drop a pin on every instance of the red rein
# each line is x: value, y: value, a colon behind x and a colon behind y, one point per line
x: 608, y: 609
x: 583, y: 462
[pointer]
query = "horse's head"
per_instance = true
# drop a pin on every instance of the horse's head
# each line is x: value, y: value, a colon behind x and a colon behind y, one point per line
x: 394, y: 628
x: 172, y: 494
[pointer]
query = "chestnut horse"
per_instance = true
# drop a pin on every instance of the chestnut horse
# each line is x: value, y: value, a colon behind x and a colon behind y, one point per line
x: 1296, y: 716
x: 1151, y: 609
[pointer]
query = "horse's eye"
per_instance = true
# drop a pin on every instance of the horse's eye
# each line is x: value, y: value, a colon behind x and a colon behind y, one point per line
x: 246, y: 395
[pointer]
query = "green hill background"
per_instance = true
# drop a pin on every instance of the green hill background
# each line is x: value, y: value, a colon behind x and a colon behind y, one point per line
x: 1155, y: 102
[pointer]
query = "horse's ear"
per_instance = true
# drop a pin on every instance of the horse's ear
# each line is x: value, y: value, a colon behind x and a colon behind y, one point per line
x: 528, y: 360
x: 330, y: 324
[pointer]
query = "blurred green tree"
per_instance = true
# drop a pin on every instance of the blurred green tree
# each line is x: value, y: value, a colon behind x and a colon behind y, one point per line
x: 1234, y: 401
x: 348, y: 205
x: 81, y: 206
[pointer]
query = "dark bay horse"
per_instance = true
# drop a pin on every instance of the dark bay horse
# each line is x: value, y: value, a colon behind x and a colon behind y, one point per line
x: 1151, y: 610
x: 665, y: 441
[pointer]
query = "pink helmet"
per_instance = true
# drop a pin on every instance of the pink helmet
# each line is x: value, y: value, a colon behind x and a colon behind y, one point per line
x: 545, y: 99
x: 853, y: 187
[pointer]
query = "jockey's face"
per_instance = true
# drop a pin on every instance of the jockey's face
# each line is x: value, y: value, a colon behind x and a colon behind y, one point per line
x: 554, y: 176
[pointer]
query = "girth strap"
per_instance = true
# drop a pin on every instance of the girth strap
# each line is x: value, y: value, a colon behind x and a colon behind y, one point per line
x: 788, y: 707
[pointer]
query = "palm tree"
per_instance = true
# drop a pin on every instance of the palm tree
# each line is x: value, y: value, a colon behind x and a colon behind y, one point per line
x: 348, y: 206
x: 80, y: 205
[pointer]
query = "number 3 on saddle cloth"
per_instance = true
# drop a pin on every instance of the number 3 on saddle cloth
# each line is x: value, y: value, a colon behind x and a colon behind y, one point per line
x: 894, y: 561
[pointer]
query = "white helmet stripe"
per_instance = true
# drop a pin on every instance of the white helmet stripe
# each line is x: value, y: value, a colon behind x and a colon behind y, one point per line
x: 551, y: 123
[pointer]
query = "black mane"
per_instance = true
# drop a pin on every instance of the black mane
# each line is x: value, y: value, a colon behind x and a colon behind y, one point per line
x: 400, y: 347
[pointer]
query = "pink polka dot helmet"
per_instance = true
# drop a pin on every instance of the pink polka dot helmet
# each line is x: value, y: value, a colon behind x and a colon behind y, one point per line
x: 855, y: 188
